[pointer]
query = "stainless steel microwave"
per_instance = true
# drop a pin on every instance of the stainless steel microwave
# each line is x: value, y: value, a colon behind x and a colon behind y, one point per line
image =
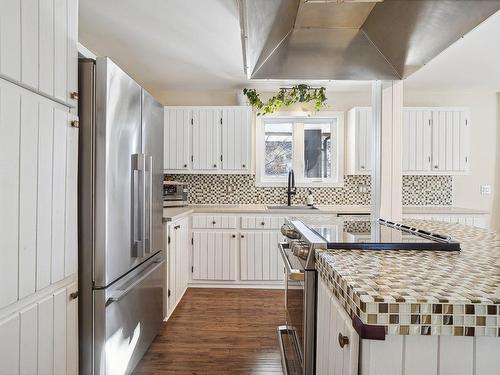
x: 175, y: 194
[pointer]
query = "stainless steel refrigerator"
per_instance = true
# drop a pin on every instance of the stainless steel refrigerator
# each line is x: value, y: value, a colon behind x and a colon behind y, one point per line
x: 121, y: 254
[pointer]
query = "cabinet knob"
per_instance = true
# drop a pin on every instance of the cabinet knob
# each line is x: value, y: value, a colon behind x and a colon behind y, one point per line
x: 75, y: 123
x: 213, y: 222
x: 263, y: 223
x: 244, y: 166
x: 73, y: 295
x: 436, y: 167
x: 215, y: 165
x: 74, y: 95
x: 362, y: 167
x: 177, y: 227
x: 242, y: 236
x: 343, y: 340
x: 185, y: 165
x: 234, y: 235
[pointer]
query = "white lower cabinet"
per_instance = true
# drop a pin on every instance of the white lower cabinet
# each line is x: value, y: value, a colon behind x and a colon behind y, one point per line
x: 259, y: 258
x: 214, y: 255
x: 178, y: 246
x: 334, y: 326
x: 42, y: 338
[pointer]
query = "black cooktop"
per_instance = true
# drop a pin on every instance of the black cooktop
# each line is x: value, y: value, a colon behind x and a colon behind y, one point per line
x: 381, y: 235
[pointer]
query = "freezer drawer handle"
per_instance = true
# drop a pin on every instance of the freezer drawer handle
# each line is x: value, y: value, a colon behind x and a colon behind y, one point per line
x: 119, y: 294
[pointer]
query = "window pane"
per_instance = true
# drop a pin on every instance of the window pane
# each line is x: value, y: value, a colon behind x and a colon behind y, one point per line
x: 278, y: 149
x: 317, y: 150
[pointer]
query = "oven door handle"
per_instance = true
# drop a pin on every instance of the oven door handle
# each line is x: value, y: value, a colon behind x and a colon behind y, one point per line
x: 292, y: 274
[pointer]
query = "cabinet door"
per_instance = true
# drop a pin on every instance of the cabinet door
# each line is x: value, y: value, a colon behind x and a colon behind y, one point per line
x: 206, y: 139
x: 176, y: 139
x: 450, y: 140
x: 9, y: 345
x: 46, y: 46
x: 71, y: 215
x: 235, y: 138
x: 172, y: 271
x: 29, y: 42
x: 363, y: 139
x: 10, y: 39
x: 214, y: 255
x: 72, y: 50
x: 60, y: 49
x: 181, y: 234
x: 416, y: 140
x: 259, y: 257
x: 72, y: 330
x: 10, y: 106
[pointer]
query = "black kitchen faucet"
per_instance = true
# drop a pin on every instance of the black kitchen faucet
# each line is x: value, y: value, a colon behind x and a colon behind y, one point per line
x: 292, y: 190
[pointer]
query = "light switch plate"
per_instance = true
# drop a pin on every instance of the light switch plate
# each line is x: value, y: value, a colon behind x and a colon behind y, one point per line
x: 485, y: 189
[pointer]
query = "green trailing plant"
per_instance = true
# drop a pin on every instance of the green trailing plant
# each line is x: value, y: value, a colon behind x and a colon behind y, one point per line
x: 286, y: 97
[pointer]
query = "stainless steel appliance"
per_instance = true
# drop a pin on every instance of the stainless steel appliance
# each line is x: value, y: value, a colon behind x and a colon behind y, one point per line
x: 175, y: 194
x: 298, y: 254
x: 121, y: 260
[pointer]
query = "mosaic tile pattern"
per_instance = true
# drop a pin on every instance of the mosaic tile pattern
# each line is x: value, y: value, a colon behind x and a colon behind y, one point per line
x: 422, y: 293
x: 427, y: 190
x: 241, y: 189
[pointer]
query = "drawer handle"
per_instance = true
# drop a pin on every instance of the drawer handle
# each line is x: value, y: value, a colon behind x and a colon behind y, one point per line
x: 74, y: 95
x: 343, y: 340
x: 213, y: 222
x: 73, y: 295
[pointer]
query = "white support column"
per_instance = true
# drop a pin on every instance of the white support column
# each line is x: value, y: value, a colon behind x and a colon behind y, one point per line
x: 386, y: 184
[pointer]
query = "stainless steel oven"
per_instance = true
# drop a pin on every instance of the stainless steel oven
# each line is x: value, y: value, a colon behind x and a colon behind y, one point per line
x: 297, y: 337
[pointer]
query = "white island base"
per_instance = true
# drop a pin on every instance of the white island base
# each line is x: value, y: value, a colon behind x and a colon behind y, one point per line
x: 397, y: 354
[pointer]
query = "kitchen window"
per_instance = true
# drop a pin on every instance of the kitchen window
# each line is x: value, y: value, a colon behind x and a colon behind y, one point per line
x: 311, y: 146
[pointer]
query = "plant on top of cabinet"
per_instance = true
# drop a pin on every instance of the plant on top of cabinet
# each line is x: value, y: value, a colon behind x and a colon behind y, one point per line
x: 286, y: 97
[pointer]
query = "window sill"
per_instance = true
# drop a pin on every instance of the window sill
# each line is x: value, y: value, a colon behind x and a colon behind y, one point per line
x: 303, y: 184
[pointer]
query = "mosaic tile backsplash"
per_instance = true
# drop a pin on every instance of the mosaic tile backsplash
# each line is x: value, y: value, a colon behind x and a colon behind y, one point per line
x: 241, y: 189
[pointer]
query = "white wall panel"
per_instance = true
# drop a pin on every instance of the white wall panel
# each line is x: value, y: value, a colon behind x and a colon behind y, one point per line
x: 28, y: 194
x: 10, y: 106
x: 9, y: 346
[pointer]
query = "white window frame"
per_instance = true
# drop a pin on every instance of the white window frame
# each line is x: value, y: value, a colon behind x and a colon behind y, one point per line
x: 337, y: 178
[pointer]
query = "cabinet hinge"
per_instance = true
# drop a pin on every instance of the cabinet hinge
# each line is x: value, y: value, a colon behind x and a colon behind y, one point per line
x: 221, y: 120
x: 192, y: 241
x: 466, y: 159
x: 221, y: 158
x: 168, y: 239
x: 168, y: 293
x: 192, y: 122
x: 192, y: 269
x: 466, y: 122
x: 429, y: 159
x: 192, y: 158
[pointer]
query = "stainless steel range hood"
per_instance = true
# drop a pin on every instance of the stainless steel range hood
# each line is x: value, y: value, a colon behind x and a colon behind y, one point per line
x: 351, y: 39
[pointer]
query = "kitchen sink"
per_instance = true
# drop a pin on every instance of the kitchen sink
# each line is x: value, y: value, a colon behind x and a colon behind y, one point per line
x: 292, y: 208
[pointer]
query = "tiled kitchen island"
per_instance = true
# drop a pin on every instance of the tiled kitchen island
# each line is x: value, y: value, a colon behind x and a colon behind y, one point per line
x: 415, y: 312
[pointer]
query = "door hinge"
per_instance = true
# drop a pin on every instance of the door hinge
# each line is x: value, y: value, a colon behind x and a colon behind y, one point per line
x: 168, y: 239
x: 192, y: 241
x: 168, y: 293
x: 192, y: 268
x: 192, y: 122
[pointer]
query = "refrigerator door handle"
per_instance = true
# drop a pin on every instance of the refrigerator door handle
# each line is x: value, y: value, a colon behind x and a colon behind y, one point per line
x: 137, y: 205
x: 149, y: 200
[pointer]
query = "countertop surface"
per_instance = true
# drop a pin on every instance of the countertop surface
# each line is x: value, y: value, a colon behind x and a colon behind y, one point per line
x: 173, y: 213
x: 422, y: 292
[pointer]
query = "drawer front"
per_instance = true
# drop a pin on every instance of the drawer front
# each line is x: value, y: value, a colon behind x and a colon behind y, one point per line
x: 214, y: 221
x: 262, y: 222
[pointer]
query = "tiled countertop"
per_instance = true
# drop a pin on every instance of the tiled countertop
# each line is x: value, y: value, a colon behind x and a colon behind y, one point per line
x: 422, y: 292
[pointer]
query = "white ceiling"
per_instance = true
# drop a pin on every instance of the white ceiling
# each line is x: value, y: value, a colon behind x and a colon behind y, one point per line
x: 191, y: 45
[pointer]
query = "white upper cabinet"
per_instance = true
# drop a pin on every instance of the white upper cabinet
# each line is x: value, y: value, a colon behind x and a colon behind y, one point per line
x: 415, y: 143
x: 236, y: 138
x: 435, y: 140
x: 38, y: 46
x: 207, y: 139
x: 176, y: 139
x: 359, y: 141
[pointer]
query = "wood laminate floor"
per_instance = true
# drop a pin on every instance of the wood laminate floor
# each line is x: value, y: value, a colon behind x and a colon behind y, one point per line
x: 219, y: 331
